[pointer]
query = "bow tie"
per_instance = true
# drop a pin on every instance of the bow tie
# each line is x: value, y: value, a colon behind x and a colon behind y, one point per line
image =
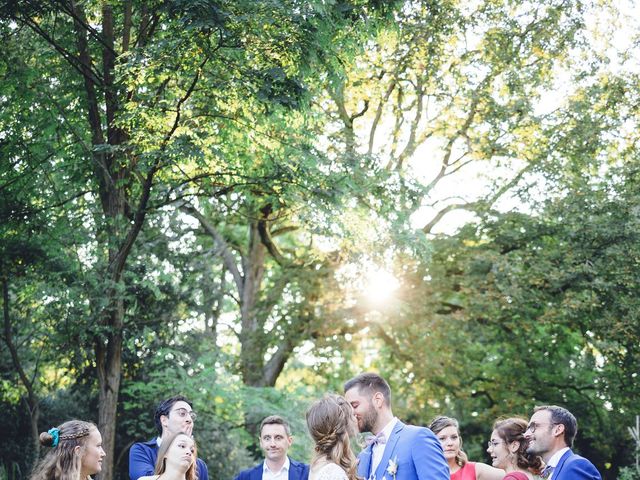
x: 379, y: 439
x: 548, y: 470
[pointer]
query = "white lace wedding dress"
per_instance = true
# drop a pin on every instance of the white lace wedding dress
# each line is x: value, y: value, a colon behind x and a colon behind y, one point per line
x: 328, y: 471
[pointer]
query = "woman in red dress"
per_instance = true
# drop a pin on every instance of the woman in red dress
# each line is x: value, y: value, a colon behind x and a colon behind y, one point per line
x: 508, y: 449
x: 448, y: 432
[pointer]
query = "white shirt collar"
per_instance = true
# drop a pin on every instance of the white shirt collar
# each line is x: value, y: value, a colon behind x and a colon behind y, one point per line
x: 285, y: 466
x: 388, y: 429
x: 553, y: 461
x: 159, y: 441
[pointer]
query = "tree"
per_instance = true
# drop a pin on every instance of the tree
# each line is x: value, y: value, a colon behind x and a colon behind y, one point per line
x: 131, y: 99
x: 127, y: 93
x: 535, y: 308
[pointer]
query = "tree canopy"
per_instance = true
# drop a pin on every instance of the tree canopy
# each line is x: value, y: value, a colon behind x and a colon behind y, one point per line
x: 193, y: 193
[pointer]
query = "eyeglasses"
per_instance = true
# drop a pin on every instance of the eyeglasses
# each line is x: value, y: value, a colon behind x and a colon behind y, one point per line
x: 183, y: 412
x: 493, y: 443
x: 532, y: 426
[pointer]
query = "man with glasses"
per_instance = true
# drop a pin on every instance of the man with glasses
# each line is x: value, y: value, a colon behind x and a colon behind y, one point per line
x: 173, y: 415
x: 550, y: 435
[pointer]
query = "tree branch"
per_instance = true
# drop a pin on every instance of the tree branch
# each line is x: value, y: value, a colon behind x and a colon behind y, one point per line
x: 227, y: 255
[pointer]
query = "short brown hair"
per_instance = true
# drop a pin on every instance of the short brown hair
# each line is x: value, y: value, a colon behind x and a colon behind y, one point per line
x: 562, y: 416
x: 275, y: 420
x: 371, y: 383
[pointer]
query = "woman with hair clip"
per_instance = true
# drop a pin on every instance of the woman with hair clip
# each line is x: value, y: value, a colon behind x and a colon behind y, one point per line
x: 176, y: 459
x: 448, y: 432
x: 331, y: 423
x: 508, y: 449
x: 76, y: 452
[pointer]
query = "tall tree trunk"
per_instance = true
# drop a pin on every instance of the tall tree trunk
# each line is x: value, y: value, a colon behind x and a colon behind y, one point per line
x: 252, y: 336
x: 109, y: 366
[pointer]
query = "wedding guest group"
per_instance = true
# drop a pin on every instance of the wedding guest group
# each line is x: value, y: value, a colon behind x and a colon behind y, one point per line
x: 75, y: 452
x: 519, y: 450
x: 275, y: 440
x: 172, y: 416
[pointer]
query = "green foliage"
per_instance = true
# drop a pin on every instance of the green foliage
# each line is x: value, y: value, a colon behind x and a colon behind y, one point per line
x: 290, y: 127
x: 628, y: 473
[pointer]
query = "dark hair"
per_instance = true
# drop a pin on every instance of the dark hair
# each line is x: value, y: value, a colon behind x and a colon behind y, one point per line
x: 61, y: 463
x: 512, y: 430
x: 372, y: 383
x: 164, y: 407
x: 331, y: 421
x: 161, y: 464
x: 440, y: 423
x: 275, y: 420
x: 562, y: 416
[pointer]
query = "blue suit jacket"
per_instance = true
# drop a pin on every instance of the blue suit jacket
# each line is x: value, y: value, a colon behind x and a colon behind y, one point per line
x: 575, y: 467
x: 416, y: 451
x: 143, y: 457
x: 297, y: 471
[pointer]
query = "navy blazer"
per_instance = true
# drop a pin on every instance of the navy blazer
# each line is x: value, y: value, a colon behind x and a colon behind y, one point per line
x: 415, y: 452
x: 297, y: 471
x: 574, y: 467
x: 142, y: 461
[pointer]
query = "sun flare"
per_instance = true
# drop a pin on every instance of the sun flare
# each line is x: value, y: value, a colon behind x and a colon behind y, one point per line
x: 380, y: 286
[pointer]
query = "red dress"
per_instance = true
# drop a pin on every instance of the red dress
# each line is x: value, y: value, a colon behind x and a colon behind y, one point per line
x: 515, y: 476
x: 468, y: 472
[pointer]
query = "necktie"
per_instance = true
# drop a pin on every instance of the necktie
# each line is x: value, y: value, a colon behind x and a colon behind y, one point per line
x: 379, y: 439
x: 548, y: 470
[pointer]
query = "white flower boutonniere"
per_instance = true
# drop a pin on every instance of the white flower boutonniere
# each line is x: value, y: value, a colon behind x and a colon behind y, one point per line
x: 392, y: 467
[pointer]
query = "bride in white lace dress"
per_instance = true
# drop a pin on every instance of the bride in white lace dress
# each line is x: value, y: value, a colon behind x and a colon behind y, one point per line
x: 331, y: 422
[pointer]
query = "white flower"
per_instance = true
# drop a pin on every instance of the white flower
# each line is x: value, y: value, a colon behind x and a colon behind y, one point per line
x: 392, y: 468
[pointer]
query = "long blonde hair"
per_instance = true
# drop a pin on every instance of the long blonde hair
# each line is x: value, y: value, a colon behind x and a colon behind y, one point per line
x: 331, y: 422
x: 61, y: 462
x: 161, y: 462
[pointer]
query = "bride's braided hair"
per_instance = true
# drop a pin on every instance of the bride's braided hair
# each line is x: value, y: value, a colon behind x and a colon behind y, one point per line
x: 331, y: 421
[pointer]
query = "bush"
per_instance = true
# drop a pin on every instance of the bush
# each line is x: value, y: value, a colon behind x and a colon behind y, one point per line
x: 628, y: 473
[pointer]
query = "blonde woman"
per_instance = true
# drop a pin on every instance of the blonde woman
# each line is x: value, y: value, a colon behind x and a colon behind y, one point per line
x: 76, y: 452
x: 331, y: 423
x: 460, y: 468
x: 176, y: 459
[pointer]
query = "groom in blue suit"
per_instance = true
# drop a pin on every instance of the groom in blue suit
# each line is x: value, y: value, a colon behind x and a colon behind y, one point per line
x: 550, y: 435
x: 395, y: 451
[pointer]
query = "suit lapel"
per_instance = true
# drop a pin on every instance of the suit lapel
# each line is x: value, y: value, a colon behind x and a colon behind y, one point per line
x: 256, y: 474
x: 364, y: 463
x: 295, y: 470
x: 389, y: 449
x: 563, y: 458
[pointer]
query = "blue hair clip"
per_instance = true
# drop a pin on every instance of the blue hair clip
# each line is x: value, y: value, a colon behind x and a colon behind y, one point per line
x: 55, y: 433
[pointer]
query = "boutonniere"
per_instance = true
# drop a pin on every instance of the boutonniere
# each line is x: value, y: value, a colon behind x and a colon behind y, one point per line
x: 392, y: 467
